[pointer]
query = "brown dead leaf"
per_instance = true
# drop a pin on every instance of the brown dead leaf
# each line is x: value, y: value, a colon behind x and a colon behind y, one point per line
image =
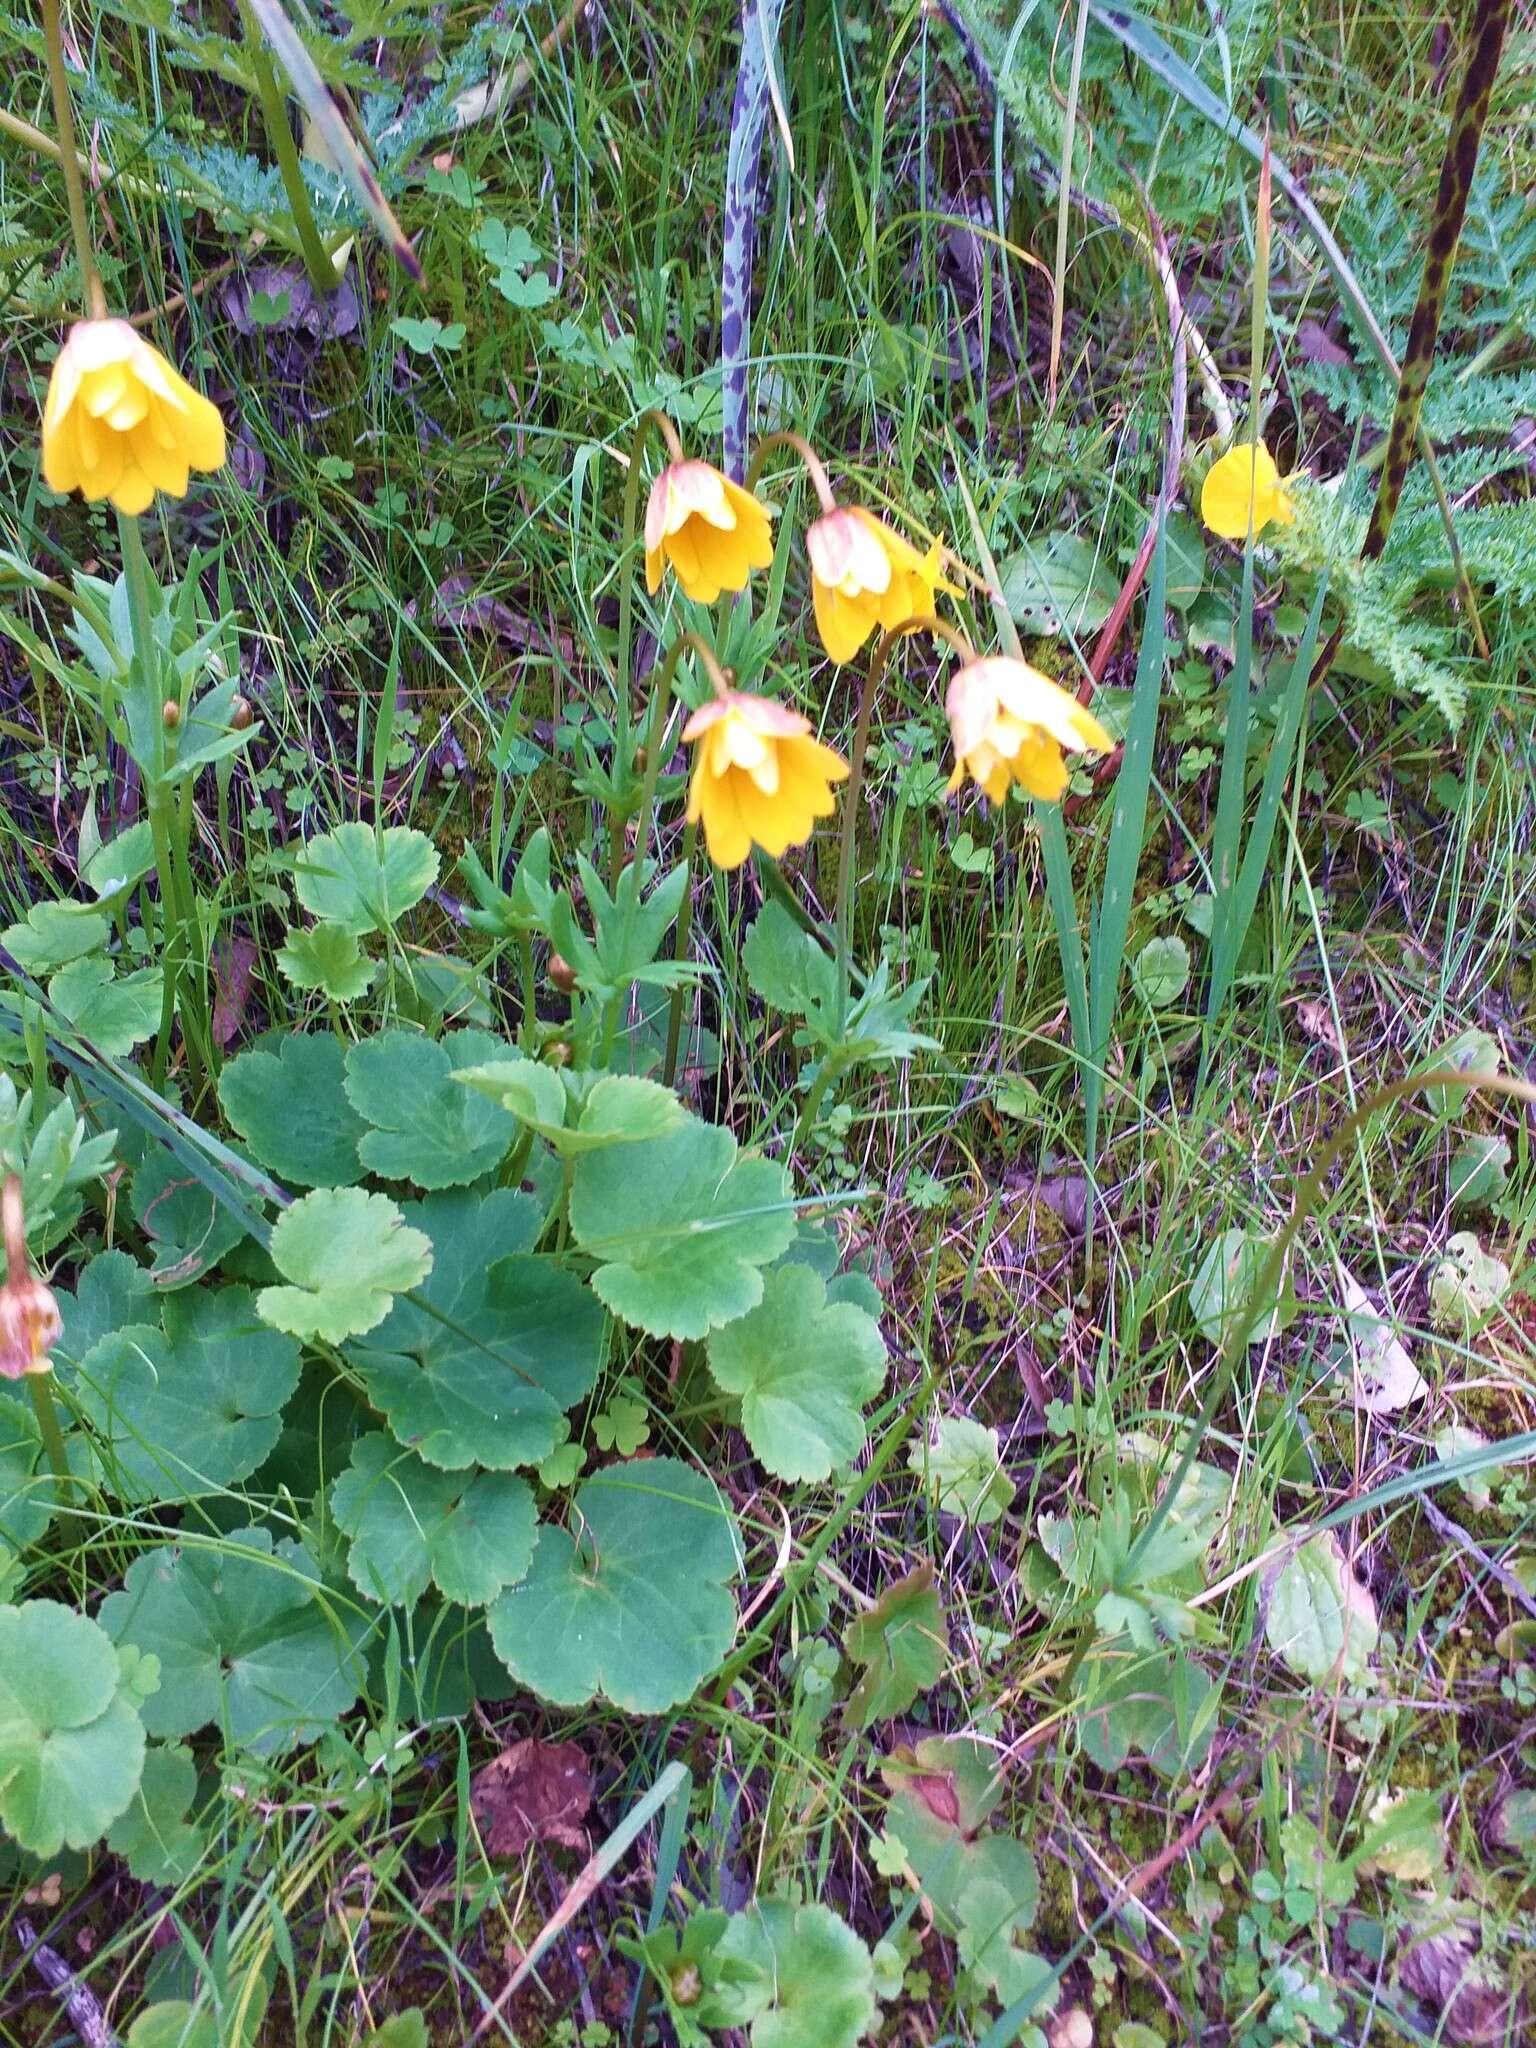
x: 1315, y: 1020
x: 1466, y: 1989
x: 533, y: 1792
x: 234, y: 962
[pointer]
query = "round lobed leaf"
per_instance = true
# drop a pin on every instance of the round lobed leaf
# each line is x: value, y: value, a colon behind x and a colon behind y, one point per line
x: 189, y: 1230
x: 804, y: 1368
x: 635, y: 1604
x: 365, y: 880
x: 503, y: 1343
x: 412, y: 1526
x: 680, y: 1227
x: 286, y: 1100
x: 71, y: 1741
x: 426, y: 1127
x: 188, y: 1408
x: 241, y: 1639
x: 348, y: 1254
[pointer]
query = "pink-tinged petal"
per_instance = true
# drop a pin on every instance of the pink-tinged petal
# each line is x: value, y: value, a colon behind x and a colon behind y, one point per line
x: 768, y: 716
x: 707, y: 715
x: 846, y: 553
x: 96, y: 343
x: 696, y: 490
x: 970, y: 704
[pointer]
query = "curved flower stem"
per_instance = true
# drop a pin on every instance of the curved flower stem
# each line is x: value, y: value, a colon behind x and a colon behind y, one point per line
x: 814, y: 467
x: 923, y: 623
x: 69, y: 161
x: 656, y: 726
x: 621, y: 678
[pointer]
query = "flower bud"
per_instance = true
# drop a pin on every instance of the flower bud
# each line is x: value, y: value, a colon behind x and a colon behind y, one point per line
x: 558, y: 1053
x: 687, y: 1984
x: 562, y: 973
x: 642, y: 760
x: 29, y: 1327
x: 170, y: 714
x: 241, y: 716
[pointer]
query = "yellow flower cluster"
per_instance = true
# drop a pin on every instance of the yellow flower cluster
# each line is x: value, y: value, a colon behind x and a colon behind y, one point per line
x: 759, y: 776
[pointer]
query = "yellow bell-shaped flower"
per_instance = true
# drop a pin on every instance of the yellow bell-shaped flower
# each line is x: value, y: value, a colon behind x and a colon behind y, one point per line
x: 712, y: 531
x: 121, y: 423
x: 759, y: 777
x: 1011, y: 724
x: 865, y: 577
x: 1244, y: 481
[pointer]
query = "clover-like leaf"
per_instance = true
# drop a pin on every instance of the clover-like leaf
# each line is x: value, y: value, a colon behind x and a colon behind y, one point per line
x: 191, y: 1406
x: 632, y: 1601
x: 114, y: 1014
x: 71, y: 1740
x: 962, y: 1467
x: 365, y: 880
x: 286, y: 1100
x: 902, y: 1644
x: 503, y: 1343
x: 154, y: 1837
x: 426, y: 1128
x: 804, y: 1368
x: 190, y: 1231
x: 348, y: 1254
x: 681, y: 1227
x: 241, y: 1637
x: 412, y: 1526
x: 329, y: 958
x: 618, y: 1109
x: 819, y: 1975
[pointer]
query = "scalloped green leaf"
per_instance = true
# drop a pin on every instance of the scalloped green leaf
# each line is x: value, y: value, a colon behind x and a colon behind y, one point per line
x: 618, y: 1109
x: 55, y: 933
x: 365, y: 880
x: 189, y: 1230
x: 681, y: 1227
x: 962, y: 1469
x: 816, y: 1976
x: 503, y: 1343
x: 942, y: 1794
x: 154, y: 1837
x: 286, y: 1100
x: 426, y: 1128
x: 109, y: 1292
x: 635, y: 1605
x: 326, y: 957
x: 114, y: 1014
x: 902, y: 1645
x: 803, y: 1368
x: 71, y: 1740
x: 191, y: 1406
x: 242, y: 1639
x: 412, y: 1527
x: 348, y: 1254
x: 27, y: 1495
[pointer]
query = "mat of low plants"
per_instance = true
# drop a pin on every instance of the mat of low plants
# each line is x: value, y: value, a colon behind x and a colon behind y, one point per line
x: 765, y: 1032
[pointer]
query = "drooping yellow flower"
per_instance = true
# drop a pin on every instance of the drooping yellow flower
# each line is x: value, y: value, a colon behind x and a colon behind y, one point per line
x: 121, y: 423
x: 712, y: 531
x: 759, y: 777
x: 865, y: 577
x: 1245, y: 478
x: 1010, y: 724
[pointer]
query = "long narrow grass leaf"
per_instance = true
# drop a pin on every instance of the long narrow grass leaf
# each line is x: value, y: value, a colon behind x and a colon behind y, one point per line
x: 1127, y: 835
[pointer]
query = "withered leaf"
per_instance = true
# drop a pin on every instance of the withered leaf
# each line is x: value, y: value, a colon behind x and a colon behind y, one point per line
x: 533, y: 1792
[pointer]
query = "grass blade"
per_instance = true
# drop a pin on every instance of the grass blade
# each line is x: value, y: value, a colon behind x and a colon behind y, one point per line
x: 351, y: 164
x: 1234, y: 912
x: 1127, y: 836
